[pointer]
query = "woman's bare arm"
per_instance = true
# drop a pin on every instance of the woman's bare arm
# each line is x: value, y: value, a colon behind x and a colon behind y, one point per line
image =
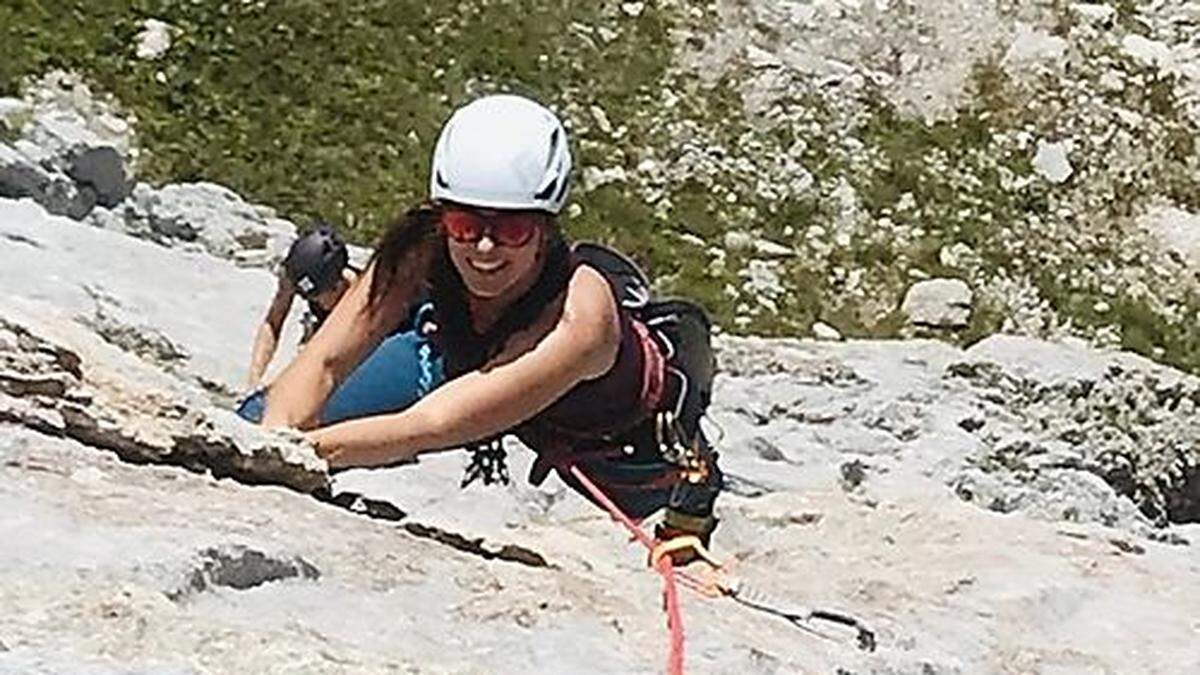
x: 353, y: 329
x: 266, y: 338
x: 582, y: 345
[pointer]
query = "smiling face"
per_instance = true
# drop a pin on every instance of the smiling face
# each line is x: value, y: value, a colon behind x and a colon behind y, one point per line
x: 488, y: 269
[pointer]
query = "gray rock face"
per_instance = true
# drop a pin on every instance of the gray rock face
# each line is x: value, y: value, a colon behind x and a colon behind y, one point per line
x: 63, y: 381
x: 154, y: 40
x: 21, y: 176
x: 64, y: 167
x: 66, y: 98
x: 205, y: 216
x: 11, y: 109
x: 1051, y: 161
x: 1052, y: 431
x: 823, y: 331
x: 74, y: 155
x: 1122, y: 418
x: 1016, y: 506
x: 67, y: 146
x: 71, y: 152
x: 938, y: 303
x: 191, y: 312
x: 103, y: 170
x: 1175, y: 231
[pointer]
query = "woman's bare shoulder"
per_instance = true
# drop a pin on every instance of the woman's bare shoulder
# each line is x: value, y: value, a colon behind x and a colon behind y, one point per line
x: 589, y: 296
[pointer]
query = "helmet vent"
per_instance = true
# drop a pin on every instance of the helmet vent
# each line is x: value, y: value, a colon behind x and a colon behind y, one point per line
x: 548, y: 190
x: 553, y: 148
x: 562, y: 188
x: 442, y: 181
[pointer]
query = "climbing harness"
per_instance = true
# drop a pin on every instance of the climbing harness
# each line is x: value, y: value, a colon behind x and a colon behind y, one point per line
x: 673, y: 340
x: 716, y: 584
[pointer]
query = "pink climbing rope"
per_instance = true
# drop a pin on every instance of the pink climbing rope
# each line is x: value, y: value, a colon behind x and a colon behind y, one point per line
x: 664, y: 567
x: 711, y: 588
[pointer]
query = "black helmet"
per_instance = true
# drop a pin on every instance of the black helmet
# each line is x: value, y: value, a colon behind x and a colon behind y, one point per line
x: 315, y: 262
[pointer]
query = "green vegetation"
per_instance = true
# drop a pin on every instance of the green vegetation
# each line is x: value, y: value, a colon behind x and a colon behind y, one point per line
x: 928, y: 161
x: 323, y: 106
x: 330, y: 108
x: 11, y: 131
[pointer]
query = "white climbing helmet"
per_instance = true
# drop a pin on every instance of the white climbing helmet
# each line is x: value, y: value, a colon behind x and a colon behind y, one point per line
x: 502, y: 152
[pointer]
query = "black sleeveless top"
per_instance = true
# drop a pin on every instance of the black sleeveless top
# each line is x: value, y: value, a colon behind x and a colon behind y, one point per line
x: 594, y: 412
x: 604, y: 407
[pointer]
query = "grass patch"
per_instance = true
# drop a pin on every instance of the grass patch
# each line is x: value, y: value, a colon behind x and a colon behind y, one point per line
x: 328, y: 107
x: 10, y: 129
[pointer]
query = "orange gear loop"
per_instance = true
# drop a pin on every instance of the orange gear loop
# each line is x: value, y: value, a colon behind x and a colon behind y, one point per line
x: 714, y: 582
x: 683, y: 543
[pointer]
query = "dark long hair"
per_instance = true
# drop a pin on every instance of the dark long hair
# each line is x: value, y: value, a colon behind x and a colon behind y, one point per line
x: 413, y: 250
x: 406, y: 252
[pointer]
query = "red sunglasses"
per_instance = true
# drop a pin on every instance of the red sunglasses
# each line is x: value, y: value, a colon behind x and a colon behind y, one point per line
x: 510, y: 229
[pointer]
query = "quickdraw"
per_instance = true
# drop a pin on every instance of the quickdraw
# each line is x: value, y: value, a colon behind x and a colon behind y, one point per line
x: 487, y: 464
x: 675, y: 448
x: 800, y: 618
x: 717, y: 584
x: 720, y: 584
